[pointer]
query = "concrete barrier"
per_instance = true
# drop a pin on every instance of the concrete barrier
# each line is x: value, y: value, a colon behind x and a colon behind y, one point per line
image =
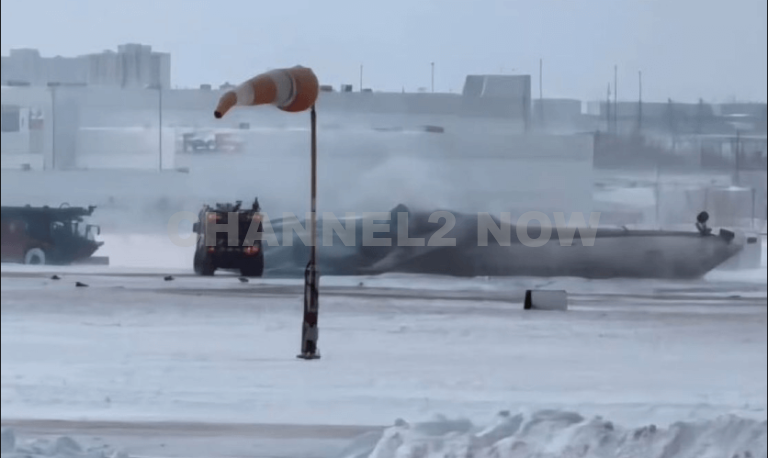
x: 546, y: 300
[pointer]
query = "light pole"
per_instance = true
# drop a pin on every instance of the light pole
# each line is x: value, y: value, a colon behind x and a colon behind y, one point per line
x: 301, y: 94
x: 433, y: 77
x: 541, y: 92
x: 640, y: 101
x: 616, y: 99
x: 159, y: 88
x: 53, y: 86
x: 160, y: 125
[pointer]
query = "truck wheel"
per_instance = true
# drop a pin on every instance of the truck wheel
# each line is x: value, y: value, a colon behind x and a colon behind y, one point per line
x: 254, y: 269
x: 203, y: 265
x: 208, y: 269
x: 35, y: 256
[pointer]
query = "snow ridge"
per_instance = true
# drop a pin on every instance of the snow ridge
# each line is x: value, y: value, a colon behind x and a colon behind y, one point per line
x: 559, y: 434
x: 61, y: 447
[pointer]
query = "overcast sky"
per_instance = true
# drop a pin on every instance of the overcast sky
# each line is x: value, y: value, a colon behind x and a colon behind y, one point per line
x: 715, y: 49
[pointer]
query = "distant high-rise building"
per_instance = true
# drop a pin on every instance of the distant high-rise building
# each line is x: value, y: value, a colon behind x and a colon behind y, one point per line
x: 133, y: 65
x: 27, y: 66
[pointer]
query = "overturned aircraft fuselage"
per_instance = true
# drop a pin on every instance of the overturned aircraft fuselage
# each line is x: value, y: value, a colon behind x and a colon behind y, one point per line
x: 449, y: 243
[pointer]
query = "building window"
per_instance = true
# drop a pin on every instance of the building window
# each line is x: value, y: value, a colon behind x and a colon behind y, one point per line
x: 10, y: 119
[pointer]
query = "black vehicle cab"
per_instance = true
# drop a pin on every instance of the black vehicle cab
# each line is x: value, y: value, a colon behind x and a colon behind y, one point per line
x: 229, y: 238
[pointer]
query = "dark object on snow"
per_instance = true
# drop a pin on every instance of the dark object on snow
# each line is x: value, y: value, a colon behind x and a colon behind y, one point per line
x: 243, y: 280
x: 55, y: 277
x: 218, y: 249
x: 80, y: 285
x: 727, y: 235
x: 168, y: 278
x: 546, y: 300
x: 45, y: 235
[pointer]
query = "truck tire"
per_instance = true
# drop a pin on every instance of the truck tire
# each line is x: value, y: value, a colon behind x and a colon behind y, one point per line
x: 203, y: 264
x: 253, y: 269
x: 35, y: 256
x: 208, y: 269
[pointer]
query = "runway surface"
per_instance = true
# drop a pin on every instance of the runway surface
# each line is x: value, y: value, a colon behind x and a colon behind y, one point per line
x: 206, y: 366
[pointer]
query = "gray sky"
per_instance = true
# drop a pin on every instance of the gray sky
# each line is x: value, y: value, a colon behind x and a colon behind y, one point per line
x: 715, y: 49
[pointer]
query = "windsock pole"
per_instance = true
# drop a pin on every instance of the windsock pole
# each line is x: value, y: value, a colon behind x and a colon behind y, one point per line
x: 309, y: 331
x: 291, y: 90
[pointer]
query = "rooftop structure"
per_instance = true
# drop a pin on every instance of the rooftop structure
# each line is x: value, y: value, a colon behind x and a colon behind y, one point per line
x: 133, y: 65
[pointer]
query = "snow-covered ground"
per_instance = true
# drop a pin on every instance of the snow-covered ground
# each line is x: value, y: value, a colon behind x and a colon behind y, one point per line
x: 134, y: 348
x: 219, y: 350
x: 199, y: 367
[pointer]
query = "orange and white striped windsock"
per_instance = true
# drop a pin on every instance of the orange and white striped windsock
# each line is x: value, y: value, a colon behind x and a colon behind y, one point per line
x: 289, y: 89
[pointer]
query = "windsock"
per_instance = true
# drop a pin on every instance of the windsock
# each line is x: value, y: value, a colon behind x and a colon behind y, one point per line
x: 289, y: 89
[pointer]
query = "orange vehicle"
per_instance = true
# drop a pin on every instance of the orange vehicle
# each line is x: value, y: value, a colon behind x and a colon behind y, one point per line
x: 45, y: 235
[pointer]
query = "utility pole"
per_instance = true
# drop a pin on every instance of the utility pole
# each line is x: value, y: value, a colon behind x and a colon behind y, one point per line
x: 433, y: 77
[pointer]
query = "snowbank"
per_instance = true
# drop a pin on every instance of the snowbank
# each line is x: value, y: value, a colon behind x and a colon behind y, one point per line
x: 61, y: 447
x: 556, y: 434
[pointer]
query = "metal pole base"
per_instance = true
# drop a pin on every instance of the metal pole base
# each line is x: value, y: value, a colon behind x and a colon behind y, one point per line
x: 308, y: 356
x: 309, y: 331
